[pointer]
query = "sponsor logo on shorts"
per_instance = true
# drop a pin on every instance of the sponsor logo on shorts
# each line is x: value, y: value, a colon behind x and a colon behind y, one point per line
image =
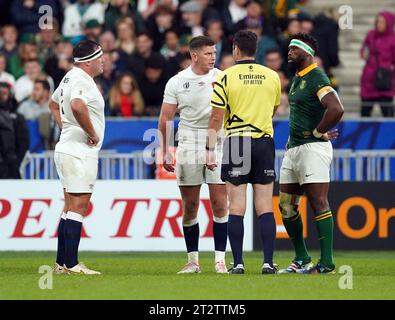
x: 234, y: 173
x: 269, y: 173
x: 91, y: 186
x: 308, y: 175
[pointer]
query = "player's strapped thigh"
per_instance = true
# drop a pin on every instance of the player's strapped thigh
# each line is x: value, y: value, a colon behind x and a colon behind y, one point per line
x: 289, y: 206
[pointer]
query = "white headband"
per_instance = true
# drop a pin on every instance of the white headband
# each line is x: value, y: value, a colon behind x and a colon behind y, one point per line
x: 98, y: 53
x: 302, y: 45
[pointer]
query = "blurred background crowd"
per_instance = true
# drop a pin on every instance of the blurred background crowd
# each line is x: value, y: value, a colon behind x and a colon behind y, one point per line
x: 146, y: 42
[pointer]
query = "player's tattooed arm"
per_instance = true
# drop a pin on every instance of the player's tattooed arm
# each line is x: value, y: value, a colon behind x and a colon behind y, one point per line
x: 55, y: 110
x: 81, y: 114
x: 333, y: 114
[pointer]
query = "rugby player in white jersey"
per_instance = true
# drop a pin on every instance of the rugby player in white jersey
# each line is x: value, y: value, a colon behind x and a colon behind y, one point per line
x: 78, y: 108
x: 189, y: 92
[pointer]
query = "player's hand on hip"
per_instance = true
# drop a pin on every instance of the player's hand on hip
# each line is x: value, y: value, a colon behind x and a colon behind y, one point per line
x: 93, y: 141
x: 168, y: 162
x: 211, y: 161
x: 330, y: 135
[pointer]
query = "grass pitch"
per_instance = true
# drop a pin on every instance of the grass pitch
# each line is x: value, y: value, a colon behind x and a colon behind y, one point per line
x: 153, y: 276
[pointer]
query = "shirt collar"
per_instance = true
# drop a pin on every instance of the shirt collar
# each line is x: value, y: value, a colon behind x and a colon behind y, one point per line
x: 245, y: 61
x: 307, y: 70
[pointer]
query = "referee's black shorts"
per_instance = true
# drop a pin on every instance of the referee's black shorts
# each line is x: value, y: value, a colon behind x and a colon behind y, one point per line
x: 246, y: 160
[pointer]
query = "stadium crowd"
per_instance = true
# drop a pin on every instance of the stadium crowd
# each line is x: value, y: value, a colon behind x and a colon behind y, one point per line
x: 145, y: 43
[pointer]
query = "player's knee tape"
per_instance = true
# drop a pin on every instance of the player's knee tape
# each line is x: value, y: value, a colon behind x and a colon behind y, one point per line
x: 289, y: 204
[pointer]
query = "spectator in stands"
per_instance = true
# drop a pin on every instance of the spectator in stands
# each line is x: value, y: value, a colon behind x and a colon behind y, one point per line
x: 306, y: 22
x: 293, y: 28
x: 232, y: 12
x: 185, y: 61
x: 144, y: 51
x: 46, y: 41
x: 192, y: 18
x: 227, y: 61
x: 25, y: 14
x: 49, y: 130
x: 274, y: 61
x: 126, y: 37
x: 24, y: 85
x: 153, y: 85
x: 119, y: 9
x: 158, y: 23
x: 92, y: 30
x: 14, y: 135
x: 107, y: 78
x: 378, y: 50
x: 77, y: 14
x: 27, y: 51
x: 215, y: 32
x: 147, y: 7
x: 171, y: 52
x: 171, y: 47
x: 9, y: 36
x: 326, y: 31
x: 60, y: 62
x: 5, y: 76
x: 108, y: 43
x: 37, y: 104
x: 125, y: 97
x: 282, y: 10
x: 209, y: 12
x: 265, y: 42
x: 184, y: 43
x: 254, y: 16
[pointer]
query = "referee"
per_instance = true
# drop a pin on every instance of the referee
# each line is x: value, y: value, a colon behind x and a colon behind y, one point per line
x: 245, y: 98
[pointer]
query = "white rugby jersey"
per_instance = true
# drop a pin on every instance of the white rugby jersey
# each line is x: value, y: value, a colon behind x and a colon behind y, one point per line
x: 73, y: 139
x: 192, y: 95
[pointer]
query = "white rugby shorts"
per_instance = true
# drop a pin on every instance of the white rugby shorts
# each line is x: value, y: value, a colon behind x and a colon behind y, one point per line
x: 307, y: 163
x: 76, y: 175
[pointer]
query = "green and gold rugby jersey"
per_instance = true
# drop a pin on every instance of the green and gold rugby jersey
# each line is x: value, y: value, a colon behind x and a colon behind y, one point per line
x: 248, y: 92
x: 308, y: 87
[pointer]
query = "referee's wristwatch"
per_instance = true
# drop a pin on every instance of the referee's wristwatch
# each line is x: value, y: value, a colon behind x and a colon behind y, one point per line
x: 209, y: 149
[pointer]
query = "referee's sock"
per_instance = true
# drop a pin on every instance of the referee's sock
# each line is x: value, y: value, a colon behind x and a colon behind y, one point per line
x: 220, y: 231
x: 236, y: 235
x: 268, y: 235
x: 72, y: 230
x: 61, y: 241
x: 191, y: 236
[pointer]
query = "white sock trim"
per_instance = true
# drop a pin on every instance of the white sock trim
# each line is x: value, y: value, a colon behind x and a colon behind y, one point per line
x: 193, y: 257
x: 219, y: 256
x: 221, y: 220
x: 64, y: 215
x: 190, y: 223
x: 74, y: 216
